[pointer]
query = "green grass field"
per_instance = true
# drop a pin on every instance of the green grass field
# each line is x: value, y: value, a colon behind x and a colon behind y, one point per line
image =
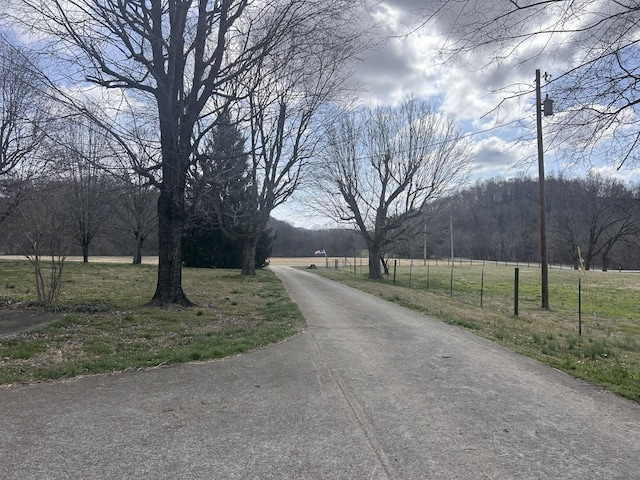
x: 607, y: 352
x: 107, y: 326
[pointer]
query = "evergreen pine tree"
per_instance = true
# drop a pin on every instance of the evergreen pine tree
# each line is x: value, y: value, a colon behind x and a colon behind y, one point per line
x: 223, y: 217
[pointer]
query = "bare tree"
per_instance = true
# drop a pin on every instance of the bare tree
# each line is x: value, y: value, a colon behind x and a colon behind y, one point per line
x: 23, y: 114
x: 284, y: 106
x: 138, y: 212
x: 610, y: 213
x: 80, y: 149
x: 278, y: 115
x: 592, y: 48
x: 180, y: 56
x: 383, y: 165
x: 568, y: 218
x: 41, y: 220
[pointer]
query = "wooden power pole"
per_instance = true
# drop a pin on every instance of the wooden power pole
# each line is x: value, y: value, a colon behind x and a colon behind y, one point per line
x: 544, y: 266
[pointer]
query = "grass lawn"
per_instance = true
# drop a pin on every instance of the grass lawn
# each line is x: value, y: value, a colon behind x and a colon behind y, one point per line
x: 607, y: 353
x: 107, y: 327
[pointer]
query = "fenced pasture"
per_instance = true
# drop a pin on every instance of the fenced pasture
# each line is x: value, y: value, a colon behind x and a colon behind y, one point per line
x: 602, y: 344
x: 596, y: 294
x: 612, y: 294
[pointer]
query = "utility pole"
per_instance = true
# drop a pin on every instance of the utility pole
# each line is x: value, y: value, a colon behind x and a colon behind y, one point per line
x: 544, y: 266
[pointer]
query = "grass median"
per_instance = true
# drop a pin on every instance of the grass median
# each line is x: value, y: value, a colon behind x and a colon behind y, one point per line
x: 605, y: 352
x: 106, y: 326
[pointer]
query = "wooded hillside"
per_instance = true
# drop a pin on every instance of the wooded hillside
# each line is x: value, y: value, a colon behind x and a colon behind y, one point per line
x: 499, y: 220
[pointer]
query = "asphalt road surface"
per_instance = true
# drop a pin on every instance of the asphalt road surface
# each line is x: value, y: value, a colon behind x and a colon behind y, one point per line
x: 370, y: 391
x: 16, y: 321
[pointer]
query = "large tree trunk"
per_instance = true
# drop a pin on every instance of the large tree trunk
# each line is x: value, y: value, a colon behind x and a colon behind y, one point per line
x: 249, y: 256
x: 170, y: 223
x: 85, y: 252
x: 374, y: 262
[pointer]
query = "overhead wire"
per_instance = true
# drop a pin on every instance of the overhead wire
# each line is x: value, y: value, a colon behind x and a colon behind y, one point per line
x: 442, y: 142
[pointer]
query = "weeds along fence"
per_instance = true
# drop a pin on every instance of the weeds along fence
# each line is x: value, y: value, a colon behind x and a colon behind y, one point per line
x: 493, y: 285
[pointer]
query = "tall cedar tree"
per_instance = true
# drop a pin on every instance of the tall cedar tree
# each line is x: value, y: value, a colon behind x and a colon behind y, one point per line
x: 214, y: 235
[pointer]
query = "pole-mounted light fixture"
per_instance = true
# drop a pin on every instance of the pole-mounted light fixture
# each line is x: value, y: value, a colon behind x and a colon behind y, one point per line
x: 547, y: 106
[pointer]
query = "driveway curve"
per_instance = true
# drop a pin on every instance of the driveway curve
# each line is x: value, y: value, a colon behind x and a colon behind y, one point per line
x: 370, y: 391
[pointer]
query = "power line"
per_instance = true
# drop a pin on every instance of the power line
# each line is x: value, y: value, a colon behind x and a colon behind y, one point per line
x: 439, y: 143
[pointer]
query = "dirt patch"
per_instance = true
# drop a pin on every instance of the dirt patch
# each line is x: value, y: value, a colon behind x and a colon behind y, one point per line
x: 15, y: 321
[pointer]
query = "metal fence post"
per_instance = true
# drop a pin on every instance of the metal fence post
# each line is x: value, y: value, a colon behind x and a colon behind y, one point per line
x: 395, y: 263
x: 516, y: 285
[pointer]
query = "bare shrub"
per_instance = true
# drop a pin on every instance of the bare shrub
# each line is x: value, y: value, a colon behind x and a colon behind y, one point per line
x: 41, y: 224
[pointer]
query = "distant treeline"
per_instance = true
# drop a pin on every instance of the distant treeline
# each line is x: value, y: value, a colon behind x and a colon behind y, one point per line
x: 593, y: 218
x: 491, y: 220
x: 290, y: 241
x: 499, y: 220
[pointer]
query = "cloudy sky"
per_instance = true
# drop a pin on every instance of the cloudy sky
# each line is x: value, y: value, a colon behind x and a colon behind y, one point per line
x: 406, y: 63
x: 470, y: 88
x: 493, y: 104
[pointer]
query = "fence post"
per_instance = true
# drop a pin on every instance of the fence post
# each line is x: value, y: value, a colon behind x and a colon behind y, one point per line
x: 410, y: 272
x: 580, y: 306
x: 451, y: 280
x: 395, y: 263
x: 427, y: 276
x: 516, y: 285
x: 481, y: 286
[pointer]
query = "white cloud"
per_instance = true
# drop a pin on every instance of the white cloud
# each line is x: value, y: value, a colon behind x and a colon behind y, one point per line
x: 496, y: 158
x: 625, y: 176
x: 478, y: 93
x: 465, y: 90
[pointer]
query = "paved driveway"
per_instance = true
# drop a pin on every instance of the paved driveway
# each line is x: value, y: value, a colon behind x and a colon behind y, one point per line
x: 369, y: 391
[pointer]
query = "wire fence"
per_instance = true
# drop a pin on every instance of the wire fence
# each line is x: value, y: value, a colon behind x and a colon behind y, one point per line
x: 513, y: 286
